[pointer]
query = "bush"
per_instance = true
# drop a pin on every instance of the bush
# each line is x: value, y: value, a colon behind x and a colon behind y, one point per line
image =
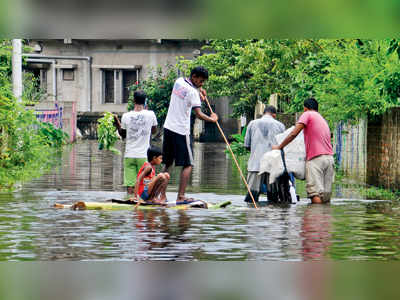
x: 158, y: 87
x: 237, y: 145
x: 24, y: 151
x: 376, y: 193
x: 51, y: 135
x: 33, y: 93
x: 26, y: 145
x: 106, y: 132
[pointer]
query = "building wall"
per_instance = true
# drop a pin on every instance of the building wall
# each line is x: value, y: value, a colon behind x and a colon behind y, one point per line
x: 69, y: 116
x: 74, y: 90
x: 120, y: 54
x: 383, y: 162
x: 145, y: 54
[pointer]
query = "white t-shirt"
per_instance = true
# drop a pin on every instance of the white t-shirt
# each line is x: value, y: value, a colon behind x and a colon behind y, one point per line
x: 184, y: 97
x: 138, y: 130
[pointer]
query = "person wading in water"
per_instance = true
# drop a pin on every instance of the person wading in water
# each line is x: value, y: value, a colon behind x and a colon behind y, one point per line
x: 136, y: 126
x: 320, y: 170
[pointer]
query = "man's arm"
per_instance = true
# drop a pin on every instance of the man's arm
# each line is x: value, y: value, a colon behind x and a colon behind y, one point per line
x: 121, y: 131
x: 212, y: 118
x: 154, y: 125
x: 299, y: 127
x: 203, y: 97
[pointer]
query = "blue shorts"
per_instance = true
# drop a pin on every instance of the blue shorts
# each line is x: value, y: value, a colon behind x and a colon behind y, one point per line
x: 145, y: 193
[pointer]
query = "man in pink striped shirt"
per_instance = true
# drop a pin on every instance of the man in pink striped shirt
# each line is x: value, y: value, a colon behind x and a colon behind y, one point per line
x: 320, y: 170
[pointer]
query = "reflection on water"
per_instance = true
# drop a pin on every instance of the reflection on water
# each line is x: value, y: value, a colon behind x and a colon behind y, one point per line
x: 84, y: 167
x: 31, y: 230
x: 316, y: 231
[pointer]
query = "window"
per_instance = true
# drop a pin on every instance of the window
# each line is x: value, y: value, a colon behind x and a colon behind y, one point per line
x: 68, y: 74
x: 116, y: 84
x: 109, y: 86
x: 43, y: 80
x: 129, y: 79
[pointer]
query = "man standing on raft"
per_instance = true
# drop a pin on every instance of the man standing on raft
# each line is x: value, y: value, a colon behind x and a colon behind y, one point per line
x: 187, y: 94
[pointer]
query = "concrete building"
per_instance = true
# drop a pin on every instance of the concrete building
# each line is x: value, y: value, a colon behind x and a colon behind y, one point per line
x: 94, y: 75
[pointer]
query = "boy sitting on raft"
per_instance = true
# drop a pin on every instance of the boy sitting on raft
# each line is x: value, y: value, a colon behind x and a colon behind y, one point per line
x: 149, y: 187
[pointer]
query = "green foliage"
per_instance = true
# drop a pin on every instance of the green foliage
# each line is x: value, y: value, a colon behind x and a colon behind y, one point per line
x: 394, y: 46
x: 237, y: 145
x: 25, y: 144
x: 33, y: 93
x: 350, y: 78
x: 158, y: 87
x: 106, y: 132
x: 249, y: 71
x: 5, y: 60
x: 24, y: 152
x: 377, y: 193
x: 51, y: 135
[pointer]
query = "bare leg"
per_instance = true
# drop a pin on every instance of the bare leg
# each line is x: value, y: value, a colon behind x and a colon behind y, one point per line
x: 185, y: 176
x: 158, y: 186
x: 164, y: 187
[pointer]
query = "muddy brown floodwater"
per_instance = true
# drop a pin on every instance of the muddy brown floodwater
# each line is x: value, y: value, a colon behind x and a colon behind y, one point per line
x: 30, y: 229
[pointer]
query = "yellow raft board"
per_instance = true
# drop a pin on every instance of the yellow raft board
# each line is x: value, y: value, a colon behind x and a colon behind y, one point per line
x: 81, y: 205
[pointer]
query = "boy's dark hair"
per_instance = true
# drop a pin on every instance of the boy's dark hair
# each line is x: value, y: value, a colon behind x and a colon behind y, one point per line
x: 270, y: 109
x: 153, y: 152
x: 199, y: 72
x: 139, y: 97
x: 311, y: 103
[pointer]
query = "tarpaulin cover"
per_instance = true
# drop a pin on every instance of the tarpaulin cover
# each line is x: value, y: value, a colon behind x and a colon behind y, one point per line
x: 295, y: 157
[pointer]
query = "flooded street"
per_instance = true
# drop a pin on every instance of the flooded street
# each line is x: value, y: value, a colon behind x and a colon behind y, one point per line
x: 30, y: 229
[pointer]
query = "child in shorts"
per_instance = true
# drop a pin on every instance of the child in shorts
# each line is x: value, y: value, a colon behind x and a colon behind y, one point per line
x: 149, y: 187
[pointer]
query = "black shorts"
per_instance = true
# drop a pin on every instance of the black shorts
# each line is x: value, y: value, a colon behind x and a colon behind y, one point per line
x: 178, y: 148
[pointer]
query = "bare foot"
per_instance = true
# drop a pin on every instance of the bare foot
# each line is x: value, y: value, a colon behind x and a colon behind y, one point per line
x: 79, y: 205
x: 316, y: 200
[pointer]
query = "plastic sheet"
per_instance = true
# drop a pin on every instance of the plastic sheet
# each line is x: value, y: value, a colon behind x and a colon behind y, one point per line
x: 295, y: 157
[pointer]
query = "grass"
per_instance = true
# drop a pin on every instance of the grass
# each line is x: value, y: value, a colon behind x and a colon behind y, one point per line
x: 378, y: 193
x: 369, y: 192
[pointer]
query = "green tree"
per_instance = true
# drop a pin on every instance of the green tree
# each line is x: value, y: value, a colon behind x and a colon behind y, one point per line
x: 249, y: 71
x: 350, y: 78
x: 158, y: 87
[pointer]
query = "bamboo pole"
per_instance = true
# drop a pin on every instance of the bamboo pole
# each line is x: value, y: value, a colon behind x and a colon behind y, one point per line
x: 233, y: 155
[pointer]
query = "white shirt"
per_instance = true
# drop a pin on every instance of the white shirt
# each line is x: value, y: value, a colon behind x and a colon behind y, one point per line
x: 138, y: 126
x: 184, y: 97
x: 260, y: 137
